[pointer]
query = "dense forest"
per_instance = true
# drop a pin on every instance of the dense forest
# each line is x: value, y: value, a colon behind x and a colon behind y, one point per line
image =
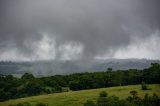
x: 28, y: 85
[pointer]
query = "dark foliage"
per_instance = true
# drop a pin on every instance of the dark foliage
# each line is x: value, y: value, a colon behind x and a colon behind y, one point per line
x: 28, y: 85
x: 130, y: 101
x: 22, y: 104
x: 41, y: 104
x: 134, y: 93
x: 103, y: 94
x: 144, y: 86
x: 27, y: 76
x: 28, y: 104
x: 89, y: 103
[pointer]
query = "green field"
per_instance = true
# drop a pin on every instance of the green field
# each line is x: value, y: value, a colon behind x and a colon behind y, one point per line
x: 78, y: 98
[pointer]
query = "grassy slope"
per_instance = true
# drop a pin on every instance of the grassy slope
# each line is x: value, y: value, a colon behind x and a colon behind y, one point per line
x: 78, y: 98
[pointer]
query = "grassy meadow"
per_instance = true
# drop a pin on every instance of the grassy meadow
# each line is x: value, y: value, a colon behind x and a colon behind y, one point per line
x: 78, y: 98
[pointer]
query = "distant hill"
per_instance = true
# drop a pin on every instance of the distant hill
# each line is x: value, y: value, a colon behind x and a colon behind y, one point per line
x: 42, y: 68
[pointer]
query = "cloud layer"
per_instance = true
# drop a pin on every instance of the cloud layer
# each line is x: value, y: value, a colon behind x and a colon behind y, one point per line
x: 79, y: 29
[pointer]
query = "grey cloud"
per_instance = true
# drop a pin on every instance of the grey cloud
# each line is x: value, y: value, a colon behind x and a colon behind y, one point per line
x: 98, y: 25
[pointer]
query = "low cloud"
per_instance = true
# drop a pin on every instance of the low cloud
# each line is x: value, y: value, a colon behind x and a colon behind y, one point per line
x: 141, y: 48
x: 79, y: 29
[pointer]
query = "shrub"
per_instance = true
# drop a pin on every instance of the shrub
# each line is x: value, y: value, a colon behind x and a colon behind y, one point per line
x: 58, y: 89
x: 89, y: 103
x: 48, y: 91
x: 130, y: 101
x: 115, y: 101
x: 156, y: 100
x: 24, y: 104
x: 144, y: 86
x: 151, y: 100
x: 134, y: 93
x: 27, y: 76
x: 103, y: 94
x: 11, y: 105
x: 41, y: 104
x: 102, y: 101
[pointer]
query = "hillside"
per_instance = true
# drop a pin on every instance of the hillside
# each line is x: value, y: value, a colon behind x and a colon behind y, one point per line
x: 78, y: 98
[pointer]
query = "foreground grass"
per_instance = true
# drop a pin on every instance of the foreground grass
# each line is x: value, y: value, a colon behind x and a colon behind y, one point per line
x: 78, y: 98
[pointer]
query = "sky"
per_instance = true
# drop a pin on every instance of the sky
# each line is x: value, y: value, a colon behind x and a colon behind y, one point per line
x: 32, y: 30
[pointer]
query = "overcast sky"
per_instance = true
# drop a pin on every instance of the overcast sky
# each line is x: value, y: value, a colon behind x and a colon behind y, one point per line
x: 79, y: 29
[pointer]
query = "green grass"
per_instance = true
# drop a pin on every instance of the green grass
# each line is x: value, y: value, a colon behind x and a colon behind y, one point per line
x: 78, y: 98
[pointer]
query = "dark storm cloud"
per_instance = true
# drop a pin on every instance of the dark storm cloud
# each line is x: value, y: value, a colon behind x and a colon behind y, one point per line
x: 101, y: 26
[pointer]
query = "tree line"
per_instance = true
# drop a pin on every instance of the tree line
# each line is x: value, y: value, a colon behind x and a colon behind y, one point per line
x: 28, y: 85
